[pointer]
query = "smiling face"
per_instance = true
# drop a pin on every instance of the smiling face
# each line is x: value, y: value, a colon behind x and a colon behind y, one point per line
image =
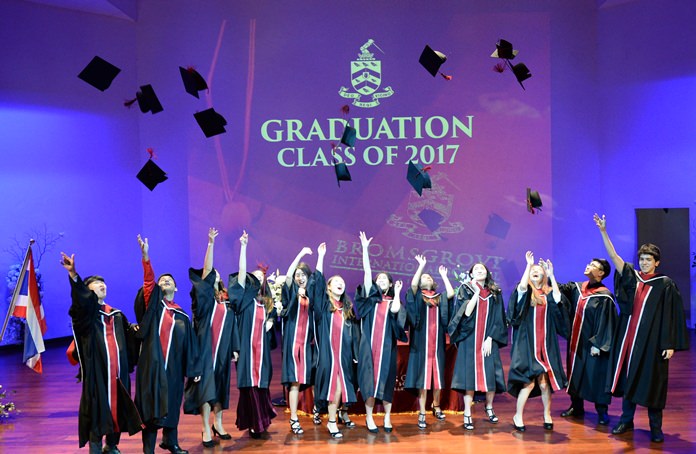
x: 167, y: 284
x: 647, y: 263
x: 336, y: 286
x: 300, y: 278
x: 594, y: 270
x: 383, y: 282
x: 479, y: 273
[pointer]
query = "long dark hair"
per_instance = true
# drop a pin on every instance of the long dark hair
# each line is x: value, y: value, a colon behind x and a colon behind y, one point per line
x: 489, y: 283
x: 390, y: 290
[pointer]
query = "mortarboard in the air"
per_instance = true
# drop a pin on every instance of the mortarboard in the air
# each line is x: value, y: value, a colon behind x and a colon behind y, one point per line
x: 503, y: 49
x: 431, y: 218
x: 432, y: 60
x: 99, y: 73
x: 533, y: 201
x: 211, y: 122
x: 521, y: 73
x: 151, y: 175
x: 349, y: 135
x: 342, y: 173
x: 193, y: 81
x: 147, y: 100
x: 497, y: 226
x: 418, y: 177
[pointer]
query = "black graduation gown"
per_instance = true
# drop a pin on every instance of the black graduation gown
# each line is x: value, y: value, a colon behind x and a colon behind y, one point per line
x: 593, y: 319
x: 214, y: 385
x: 299, y: 349
x: 379, y: 331
x: 254, y: 366
x: 660, y: 326
x: 525, y: 363
x: 159, y: 381
x: 337, y: 341
x: 94, y: 330
x: 472, y: 370
x: 427, y: 329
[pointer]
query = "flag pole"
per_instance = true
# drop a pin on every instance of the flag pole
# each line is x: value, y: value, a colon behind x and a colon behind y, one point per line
x: 17, y: 288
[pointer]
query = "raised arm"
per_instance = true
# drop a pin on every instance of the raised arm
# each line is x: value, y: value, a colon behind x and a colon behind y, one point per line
x: 243, y: 240
x: 448, y: 285
x: 415, y: 282
x: 367, y: 278
x: 321, y: 252
x: 148, y: 273
x: 396, y: 302
x: 608, y: 245
x: 524, y: 282
x: 208, y: 264
x: 289, y: 276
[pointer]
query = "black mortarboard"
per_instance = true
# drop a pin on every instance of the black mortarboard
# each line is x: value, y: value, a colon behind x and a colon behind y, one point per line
x: 147, y: 100
x: 432, y: 60
x: 521, y: 73
x: 533, y: 201
x: 342, y: 173
x: 503, y: 49
x: 348, y: 137
x: 151, y: 175
x: 211, y: 122
x: 99, y: 73
x: 193, y: 81
x: 431, y: 218
x: 418, y: 177
x: 497, y: 226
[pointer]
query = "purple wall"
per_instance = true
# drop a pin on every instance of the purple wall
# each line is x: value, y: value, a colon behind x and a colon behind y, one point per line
x: 612, y: 87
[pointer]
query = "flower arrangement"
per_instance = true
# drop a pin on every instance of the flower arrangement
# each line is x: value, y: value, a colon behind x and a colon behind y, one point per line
x: 275, y: 282
x: 461, y: 276
x: 5, y: 407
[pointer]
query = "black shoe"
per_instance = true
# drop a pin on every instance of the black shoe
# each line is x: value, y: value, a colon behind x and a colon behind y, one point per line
x: 279, y: 402
x: 572, y: 411
x: 221, y: 436
x: 111, y: 449
x: 622, y: 427
x: 518, y: 428
x: 344, y: 419
x: 254, y: 435
x: 603, y: 419
x: 174, y: 449
x: 388, y: 429
x: 548, y: 426
x: 206, y: 444
x: 657, y: 436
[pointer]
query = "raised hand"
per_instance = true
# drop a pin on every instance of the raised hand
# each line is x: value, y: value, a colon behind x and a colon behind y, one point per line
x: 321, y: 250
x: 421, y: 260
x: 68, y: 262
x: 144, y: 246
x: 529, y: 256
x: 600, y: 221
x: 364, y: 240
x: 442, y: 270
x: 212, y: 234
x: 244, y: 239
x: 306, y: 251
x: 397, y: 286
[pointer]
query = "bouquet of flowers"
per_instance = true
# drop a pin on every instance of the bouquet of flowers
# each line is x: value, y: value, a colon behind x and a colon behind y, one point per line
x: 276, y: 282
x: 5, y: 407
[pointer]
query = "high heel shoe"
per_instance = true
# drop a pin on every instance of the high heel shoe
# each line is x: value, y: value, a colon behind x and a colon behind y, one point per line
x: 491, y: 415
x: 468, y: 422
x: 295, y: 427
x: 548, y: 425
x: 438, y: 413
x: 336, y: 434
x: 207, y: 444
x: 344, y: 419
x: 221, y: 436
x: 316, y: 417
x: 518, y: 428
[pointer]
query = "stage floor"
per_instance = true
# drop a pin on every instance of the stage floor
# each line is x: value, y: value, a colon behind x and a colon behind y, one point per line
x: 46, y: 421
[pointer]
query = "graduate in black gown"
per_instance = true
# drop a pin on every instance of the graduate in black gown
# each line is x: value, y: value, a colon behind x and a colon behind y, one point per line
x: 169, y: 353
x: 382, y: 322
x: 428, y: 317
x: 338, y: 335
x: 593, y: 319
x: 218, y: 343
x: 479, y: 329
x: 651, y: 328
x: 299, y: 348
x: 106, y: 349
x: 538, y: 314
x: 251, y: 300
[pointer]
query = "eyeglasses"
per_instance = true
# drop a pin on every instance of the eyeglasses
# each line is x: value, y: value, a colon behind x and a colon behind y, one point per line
x: 596, y: 265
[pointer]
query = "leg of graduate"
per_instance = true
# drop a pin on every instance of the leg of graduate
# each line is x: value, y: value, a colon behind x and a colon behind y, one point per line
x: 332, y: 409
x: 518, y: 418
x: 369, y: 408
x: 545, y: 387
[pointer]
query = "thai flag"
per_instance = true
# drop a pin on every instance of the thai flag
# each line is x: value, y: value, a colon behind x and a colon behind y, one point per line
x: 27, y: 305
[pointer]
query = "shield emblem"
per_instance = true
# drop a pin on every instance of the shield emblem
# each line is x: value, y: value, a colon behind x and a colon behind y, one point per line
x: 366, y: 76
x: 440, y: 203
